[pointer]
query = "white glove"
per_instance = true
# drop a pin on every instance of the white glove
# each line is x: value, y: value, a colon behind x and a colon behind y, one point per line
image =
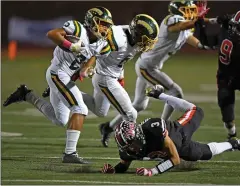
x: 76, y: 47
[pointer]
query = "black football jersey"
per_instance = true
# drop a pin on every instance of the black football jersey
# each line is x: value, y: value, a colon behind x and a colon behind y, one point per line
x: 228, y: 55
x: 155, y: 130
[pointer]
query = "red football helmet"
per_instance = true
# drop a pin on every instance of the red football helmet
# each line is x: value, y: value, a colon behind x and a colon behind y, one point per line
x: 234, y: 27
x: 129, y: 137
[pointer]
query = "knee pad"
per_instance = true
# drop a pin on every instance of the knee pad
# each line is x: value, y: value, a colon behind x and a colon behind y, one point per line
x: 141, y: 104
x: 176, y: 91
x: 79, y: 109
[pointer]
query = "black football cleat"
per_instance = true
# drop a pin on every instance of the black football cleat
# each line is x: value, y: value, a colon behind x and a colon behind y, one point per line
x: 73, y: 158
x: 154, y: 91
x: 17, y: 96
x: 232, y: 136
x: 106, y: 131
x: 235, y: 142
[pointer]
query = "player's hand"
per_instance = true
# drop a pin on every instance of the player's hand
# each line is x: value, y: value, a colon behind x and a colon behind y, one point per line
x: 46, y: 92
x: 154, y: 91
x: 87, y: 72
x: 223, y: 19
x: 108, y: 169
x: 122, y: 82
x: 143, y: 172
x: 76, y: 47
x: 202, y: 12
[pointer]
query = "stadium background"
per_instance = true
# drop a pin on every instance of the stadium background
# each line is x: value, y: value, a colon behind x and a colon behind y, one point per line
x: 34, y: 157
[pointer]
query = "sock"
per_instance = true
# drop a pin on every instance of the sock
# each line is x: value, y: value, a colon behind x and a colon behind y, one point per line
x: 231, y: 129
x: 218, y: 148
x: 176, y: 103
x: 43, y: 106
x: 118, y: 119
x: 72, y: 140
x: 167, y: 111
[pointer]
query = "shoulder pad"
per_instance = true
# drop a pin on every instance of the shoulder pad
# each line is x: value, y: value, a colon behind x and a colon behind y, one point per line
x: 73, y: 27
x: 173, y: 19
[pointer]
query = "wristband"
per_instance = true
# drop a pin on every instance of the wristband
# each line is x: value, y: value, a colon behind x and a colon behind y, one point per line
x: 67, y: 44
x: 163, y: 167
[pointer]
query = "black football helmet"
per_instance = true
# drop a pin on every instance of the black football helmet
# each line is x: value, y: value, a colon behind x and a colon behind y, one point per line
x: 234, y: 27
x: 144, y: 31
x: 129, y: 137
x: 99, y: 21
x: 186, y: 9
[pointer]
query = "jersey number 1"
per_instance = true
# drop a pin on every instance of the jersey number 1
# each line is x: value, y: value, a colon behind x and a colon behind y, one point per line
x: 226, y: 50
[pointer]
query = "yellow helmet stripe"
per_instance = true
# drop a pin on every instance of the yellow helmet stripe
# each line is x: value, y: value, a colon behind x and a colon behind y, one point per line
x: 153, y: 20
x: 77, y: 29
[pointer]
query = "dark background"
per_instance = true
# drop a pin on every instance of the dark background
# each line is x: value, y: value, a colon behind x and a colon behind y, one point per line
x: 122, y: 11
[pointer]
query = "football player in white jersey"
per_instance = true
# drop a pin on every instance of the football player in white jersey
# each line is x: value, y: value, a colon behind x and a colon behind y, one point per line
x: 175, y: 31
x: 68, y: 57
x: 124, y: 43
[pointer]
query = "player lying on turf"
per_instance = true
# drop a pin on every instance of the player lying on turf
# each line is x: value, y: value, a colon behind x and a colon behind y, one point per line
x: 66, y: 104
x: 168, y: 140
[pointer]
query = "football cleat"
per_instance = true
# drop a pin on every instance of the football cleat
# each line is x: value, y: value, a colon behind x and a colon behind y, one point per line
x: 73, y: 158
x: 106, y: 131
x: 235, y: 142
x: 154, y: 91
x: 18, y: 96
x: 232, y: 136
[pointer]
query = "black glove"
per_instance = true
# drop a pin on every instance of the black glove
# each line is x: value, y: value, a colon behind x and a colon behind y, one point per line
x: 46, y: 92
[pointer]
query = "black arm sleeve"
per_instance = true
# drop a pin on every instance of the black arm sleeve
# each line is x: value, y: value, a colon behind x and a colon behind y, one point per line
x: 121, y: 168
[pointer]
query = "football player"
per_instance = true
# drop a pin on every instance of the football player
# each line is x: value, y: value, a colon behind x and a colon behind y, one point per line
x: 124, y: 42
x: 228, y: 74
x: 68, y: 58
x: 175, y: 30
x: 168, y: 141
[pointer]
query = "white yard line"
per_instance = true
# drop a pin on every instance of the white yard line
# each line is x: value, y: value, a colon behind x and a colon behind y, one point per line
x: 108, y: 158
x: 100, y: 182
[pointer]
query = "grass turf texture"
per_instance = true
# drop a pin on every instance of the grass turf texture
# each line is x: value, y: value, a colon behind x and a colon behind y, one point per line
x: 35, y: 157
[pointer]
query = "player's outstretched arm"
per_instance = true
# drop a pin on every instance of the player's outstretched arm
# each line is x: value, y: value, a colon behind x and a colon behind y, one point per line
x: 168, y: 164
x: 121, y: 167
x: 57, y: 35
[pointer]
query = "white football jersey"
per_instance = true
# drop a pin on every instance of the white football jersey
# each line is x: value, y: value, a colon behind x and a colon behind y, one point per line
x: 71, y: 62
x: 121, y: 52
x: 167, y: 45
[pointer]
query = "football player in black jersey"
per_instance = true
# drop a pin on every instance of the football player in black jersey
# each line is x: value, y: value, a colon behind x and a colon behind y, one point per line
x: 168, y: 140
x: 228, y: 74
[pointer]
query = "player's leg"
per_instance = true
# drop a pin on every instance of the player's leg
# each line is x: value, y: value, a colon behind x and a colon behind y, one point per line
x: 226, y: 100
x: 119, y: 98
x: 193, y: 151
x: 154, y: 76
x: 25, y: 94
x: 71, y: 96
x: 98, y: 103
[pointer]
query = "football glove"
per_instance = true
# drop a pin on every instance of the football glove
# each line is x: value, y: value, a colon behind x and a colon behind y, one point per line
x: 122, y: 82
x: 108, y: 169
x: 46, y: 92
x: 154, y: 91
x: 144, y: 172
x: 88, y: 72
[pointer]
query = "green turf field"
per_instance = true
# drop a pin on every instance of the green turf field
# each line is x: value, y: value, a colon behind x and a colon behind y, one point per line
x: 35, y: 157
